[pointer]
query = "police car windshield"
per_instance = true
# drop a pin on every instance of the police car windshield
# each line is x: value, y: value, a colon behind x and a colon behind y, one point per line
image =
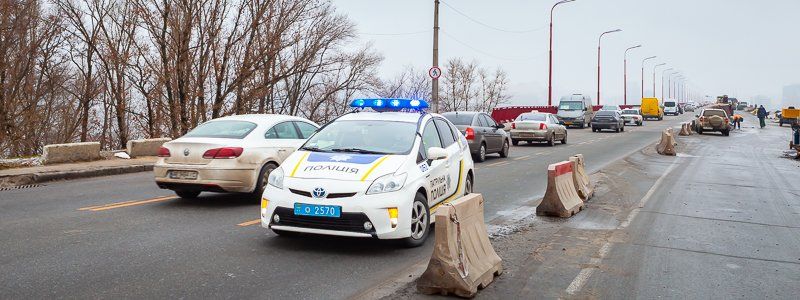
x: 365, y: 137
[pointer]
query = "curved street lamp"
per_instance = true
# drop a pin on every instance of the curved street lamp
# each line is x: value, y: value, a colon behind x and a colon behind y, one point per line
x: 600, y: 39
x: 654, y: 77
x: 670, y: 86
x: 662, y: 82
x: 643, y: 61
x: 625, y: 73
x: 550, y: 67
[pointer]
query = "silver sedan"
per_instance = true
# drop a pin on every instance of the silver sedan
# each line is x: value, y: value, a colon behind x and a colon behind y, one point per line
x: 538, y: 127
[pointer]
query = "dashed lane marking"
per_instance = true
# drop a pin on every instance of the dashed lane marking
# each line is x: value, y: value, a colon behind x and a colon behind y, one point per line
x: 522, y: 157
x: 249, y: 223
x: 127, y: 203
x: 498, y: 164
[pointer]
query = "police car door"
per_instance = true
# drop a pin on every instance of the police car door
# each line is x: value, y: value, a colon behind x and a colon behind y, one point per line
x: 437, y: 173
x: 454, y: 154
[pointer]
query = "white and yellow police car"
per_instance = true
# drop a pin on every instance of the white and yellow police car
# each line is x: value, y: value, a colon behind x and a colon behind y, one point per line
x: 379, y: 171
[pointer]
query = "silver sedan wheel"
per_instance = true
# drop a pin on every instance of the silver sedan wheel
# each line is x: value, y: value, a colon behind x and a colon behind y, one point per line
x: 419, y: 218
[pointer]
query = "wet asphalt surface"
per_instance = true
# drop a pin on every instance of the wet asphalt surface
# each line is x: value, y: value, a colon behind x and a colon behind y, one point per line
x: 57, y: 242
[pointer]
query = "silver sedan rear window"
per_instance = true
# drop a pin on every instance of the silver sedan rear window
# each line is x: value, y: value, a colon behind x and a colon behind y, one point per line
x: 223, y: 129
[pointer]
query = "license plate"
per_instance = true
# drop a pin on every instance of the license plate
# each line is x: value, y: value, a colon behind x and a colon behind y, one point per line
x: 527, y: 135
x: 185, y: 175
x: 313, y: 210
x: 708, y: 128
x: 567, y: 123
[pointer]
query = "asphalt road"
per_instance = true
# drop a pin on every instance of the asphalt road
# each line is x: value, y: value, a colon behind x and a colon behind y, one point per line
x: 122, y: 237
x: 724, y: 224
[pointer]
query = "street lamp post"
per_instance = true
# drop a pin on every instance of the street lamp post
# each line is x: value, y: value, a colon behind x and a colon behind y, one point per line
x: 599, y: 39
x: 550, y: 65
x: 670, y: 86
x: 625, y: 73
x: 654, y: 77
x: 643, y: 61
x: 662, y: 81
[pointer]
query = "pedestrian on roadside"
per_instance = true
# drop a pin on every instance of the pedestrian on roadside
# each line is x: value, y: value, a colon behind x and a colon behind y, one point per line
x: 762, y: 114
x: 737, y: 121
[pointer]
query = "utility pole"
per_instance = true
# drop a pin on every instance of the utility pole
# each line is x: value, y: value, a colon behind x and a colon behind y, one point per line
x: 435, y: 87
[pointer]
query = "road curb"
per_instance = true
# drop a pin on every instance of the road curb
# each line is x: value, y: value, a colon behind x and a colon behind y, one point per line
x: 33, y: 178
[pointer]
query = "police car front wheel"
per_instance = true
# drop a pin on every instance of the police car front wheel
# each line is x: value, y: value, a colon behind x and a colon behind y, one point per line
x: 420, y: 222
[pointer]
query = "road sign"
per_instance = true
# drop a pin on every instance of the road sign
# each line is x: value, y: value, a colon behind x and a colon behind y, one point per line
x: 435, y: 72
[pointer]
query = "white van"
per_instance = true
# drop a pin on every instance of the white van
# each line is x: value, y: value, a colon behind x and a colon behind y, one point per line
x: 671, y: 107
x: 575, y: 110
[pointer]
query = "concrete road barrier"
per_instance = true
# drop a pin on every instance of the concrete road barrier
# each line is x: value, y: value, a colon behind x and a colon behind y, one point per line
x: 145, y: 147
x: 561, y: 198
x: 463, y: 259
x: 685, y: 129
x: 73, y: 152
x: 667, y: 144
x: 582, y: 184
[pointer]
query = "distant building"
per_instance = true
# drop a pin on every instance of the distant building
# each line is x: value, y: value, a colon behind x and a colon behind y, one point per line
x: 791, y: 95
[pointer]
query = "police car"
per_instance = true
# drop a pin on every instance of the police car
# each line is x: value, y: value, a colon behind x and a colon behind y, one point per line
x: 380, y: 171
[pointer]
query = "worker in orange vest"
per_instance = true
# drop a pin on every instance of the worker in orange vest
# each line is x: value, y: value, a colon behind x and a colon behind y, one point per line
x: 737, y: 121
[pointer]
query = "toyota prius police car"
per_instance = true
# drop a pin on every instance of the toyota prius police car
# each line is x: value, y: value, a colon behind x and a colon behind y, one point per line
x: 380, y: 171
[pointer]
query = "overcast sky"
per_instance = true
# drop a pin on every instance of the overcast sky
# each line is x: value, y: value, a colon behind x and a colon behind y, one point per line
x: 742, y: 48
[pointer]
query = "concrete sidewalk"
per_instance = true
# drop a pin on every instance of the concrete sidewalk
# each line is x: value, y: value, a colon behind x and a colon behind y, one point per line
x: 39, y: 174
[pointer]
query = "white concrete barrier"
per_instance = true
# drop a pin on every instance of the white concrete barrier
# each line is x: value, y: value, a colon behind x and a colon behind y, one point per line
x: 667, y: 144
x: 145, y: 147
x: 73, y: 152
x: 579, y: 177
x: 463, y: 259
x: 561, y: 198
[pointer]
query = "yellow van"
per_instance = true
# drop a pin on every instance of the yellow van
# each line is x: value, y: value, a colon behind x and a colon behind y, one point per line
x: 651, y: 108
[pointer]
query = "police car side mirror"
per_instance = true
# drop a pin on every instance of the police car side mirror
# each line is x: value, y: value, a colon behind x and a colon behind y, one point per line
x: 436, y: 153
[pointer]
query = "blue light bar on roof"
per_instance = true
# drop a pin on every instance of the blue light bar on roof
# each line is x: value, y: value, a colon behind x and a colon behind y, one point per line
x: 389, y: 103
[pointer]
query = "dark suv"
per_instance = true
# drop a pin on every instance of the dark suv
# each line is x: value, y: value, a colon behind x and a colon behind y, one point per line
x: 483, y: 133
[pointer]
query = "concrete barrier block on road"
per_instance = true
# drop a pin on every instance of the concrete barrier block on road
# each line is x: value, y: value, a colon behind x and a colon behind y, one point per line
x: 561, y: 198
x: 145, y: 147
x: 463, y: 259
x: 667, y: 144
x: 686, y: 129
x: 581, y: 180
x: 72, y: 152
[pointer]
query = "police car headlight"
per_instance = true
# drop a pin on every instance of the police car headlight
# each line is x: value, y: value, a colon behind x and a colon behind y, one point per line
x: 276, y: 178
x: 387, y: 183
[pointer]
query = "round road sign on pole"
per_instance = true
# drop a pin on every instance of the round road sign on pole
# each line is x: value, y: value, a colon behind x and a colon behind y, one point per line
x: 435, y: 72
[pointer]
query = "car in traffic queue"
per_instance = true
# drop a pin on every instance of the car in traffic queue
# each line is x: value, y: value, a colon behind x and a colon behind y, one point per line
x: 575, y: 110
x: 483, y: 133
x: 608, y: 119
x: 229, y: 154
x: 380, y: 171
x: 652, y: 109
x: 538, y: 127
x: 615, y: 108
x: 671, y: 107
x: 632, y: 116
x: 712, y: 119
